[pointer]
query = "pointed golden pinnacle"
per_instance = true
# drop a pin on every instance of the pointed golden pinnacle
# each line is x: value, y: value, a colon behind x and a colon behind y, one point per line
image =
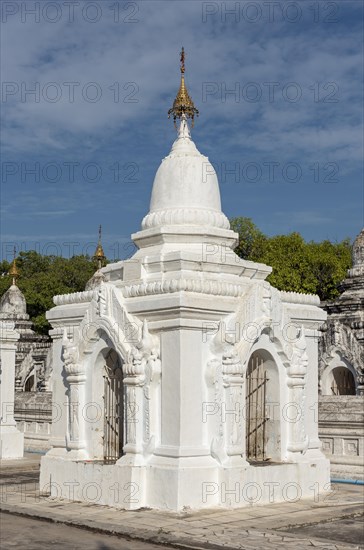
x: 183, y: 104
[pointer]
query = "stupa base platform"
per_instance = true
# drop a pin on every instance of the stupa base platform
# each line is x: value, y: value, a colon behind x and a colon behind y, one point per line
x: 180, y: 484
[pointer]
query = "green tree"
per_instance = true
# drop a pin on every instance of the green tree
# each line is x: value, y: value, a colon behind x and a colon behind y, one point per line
x: 287, y: 254
x: 252, y: 242
x: 42, y: 277
x: 329, y: 263
x: 297, y: 265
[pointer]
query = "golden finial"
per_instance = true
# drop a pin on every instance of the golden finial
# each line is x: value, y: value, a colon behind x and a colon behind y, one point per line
x: 13, y: 271
x: 183, y: 104
x: 99, y: 252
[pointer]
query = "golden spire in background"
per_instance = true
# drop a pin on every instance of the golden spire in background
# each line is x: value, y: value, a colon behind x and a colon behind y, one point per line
x: 183, y: 104
x: 13, y: 271
x: 99, y: 252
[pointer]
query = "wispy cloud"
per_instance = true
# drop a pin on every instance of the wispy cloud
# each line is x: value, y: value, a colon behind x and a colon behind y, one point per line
x: 102, y: 91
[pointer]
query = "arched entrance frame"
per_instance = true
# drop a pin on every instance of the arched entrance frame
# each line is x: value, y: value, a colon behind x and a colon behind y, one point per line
x: 141, y: 379
x: 95, y: 368
x: 276, y: 396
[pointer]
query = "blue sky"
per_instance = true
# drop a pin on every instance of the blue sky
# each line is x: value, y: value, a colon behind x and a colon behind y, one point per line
x: 278, y: 86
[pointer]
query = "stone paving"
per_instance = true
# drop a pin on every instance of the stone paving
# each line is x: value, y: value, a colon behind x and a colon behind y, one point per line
x: 246, y: 528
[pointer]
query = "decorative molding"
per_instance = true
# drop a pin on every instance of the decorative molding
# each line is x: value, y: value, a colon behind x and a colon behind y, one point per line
x: 231, y: 365
x: 185, y: 216
x: 108, y: 314
x: 134, y: 367
x: 297, y: 369
x: 74, y: 369
x: 299, y: 298
x: 74, y: 298
x: 214, y: 287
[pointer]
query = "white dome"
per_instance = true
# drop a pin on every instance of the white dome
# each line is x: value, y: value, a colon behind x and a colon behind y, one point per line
x: 185, y: 188
x: 13, y: 302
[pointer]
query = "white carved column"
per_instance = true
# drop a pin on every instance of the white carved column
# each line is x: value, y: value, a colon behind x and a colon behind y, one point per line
x: 226, y: 374
x: 59, y: 397
x: 141, y: 381
x: 134, y: 379
x: 312, y: 396
x: 152, y: 400
x: 76, y: 379
x: 233, y: 390
x: 295, y: 410
x: 11, y: 439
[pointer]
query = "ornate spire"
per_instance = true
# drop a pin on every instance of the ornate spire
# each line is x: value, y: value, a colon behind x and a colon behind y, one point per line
x: 99, y: 252
x: 13, y: 271
x: 183, y: 106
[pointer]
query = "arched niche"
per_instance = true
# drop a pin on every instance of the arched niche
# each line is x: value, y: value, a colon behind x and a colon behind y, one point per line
x: 343, y: 381
x: 29, y: 384
x: 263, y: 406
x: 114, y: 398
x: 339, y: 378
x: 106, y: 401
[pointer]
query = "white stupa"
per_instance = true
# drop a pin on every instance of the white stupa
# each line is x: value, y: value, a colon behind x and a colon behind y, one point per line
x: 12, y: 305
x: 184, y: 380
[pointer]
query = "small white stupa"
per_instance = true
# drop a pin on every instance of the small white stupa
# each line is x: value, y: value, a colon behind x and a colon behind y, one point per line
x: 12, y: 302
x: 184, y: 380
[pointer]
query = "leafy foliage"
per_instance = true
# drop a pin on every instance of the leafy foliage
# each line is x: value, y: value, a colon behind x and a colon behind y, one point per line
x: 329, y: 263
x: 252, y: 242
x: 42, y: 277
x: 299, y: 266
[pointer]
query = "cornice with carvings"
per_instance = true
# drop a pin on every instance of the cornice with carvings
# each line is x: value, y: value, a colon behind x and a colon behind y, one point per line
x: 216, y: 288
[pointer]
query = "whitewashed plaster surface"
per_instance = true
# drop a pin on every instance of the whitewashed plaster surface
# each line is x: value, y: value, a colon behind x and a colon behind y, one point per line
x: 184, y: 314
x: 11, y: 439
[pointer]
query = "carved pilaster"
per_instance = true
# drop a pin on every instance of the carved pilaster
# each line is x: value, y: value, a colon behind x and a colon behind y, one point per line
x: 233, y: 384
x: 134, y: 378
x: 152, y: 399
x: 295, y: 410
x: 141, y: 380
x: 226, y: 373
x: 75, y: 378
